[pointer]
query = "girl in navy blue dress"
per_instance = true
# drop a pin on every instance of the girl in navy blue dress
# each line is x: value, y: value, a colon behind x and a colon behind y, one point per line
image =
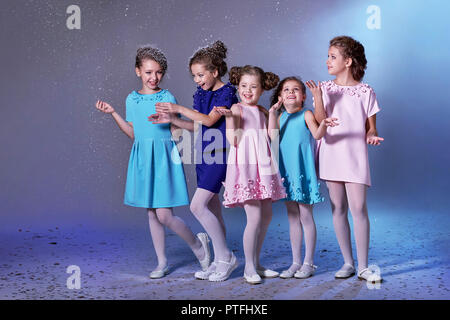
x: 207, y: 66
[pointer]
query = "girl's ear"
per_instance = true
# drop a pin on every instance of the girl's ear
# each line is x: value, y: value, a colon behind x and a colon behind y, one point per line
x: 348, y: 62
x: 215, y: 73
x: 138, y: 72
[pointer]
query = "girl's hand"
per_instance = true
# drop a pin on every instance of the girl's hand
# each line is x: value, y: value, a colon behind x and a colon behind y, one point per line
x: 166, y: 107
x: 330, y: 122
x: 315, y: 89
x: 158, y: 118
x: 373, y: 139
x: 104, y: 107
x: 223, y: 111
x: 276, y: 106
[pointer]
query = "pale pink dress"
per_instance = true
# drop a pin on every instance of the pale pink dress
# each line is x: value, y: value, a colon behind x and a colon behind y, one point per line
x: 342, y: 152
x: 252, y: 172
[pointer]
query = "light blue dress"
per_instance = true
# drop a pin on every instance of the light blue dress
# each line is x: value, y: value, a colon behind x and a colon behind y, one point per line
x: 155, y: 177
x: 297, y: 165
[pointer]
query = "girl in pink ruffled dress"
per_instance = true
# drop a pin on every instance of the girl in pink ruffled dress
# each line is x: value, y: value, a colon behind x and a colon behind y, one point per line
x: 252, y: 180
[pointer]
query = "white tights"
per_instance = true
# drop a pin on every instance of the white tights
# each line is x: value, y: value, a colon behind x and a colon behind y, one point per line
x: 206, y: 207
x: 161, y: 217
x: 344, y: 196
x: 301, y: 220
x: 259, y: 215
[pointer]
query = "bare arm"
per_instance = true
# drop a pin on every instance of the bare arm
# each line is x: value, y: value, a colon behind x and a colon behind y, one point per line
x: 274, y: 120
x: 232, y: 120
x: 183, y: 124
x: 318, y: 130
x: 371, y: 131
x: 126, y: 127
x: 319, y: 109
x: 206, y: 119
x: 173, y: 119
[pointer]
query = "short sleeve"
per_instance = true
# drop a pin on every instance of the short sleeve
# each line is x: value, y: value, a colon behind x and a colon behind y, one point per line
x: 171, y: 98
x: 372, y: 107
x: 227, y: 97
x: 196, y: 104
x: 325, y: 99
x: 128, y: 109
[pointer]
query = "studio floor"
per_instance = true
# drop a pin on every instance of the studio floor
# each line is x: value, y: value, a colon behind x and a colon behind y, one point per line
x: 411, y: 250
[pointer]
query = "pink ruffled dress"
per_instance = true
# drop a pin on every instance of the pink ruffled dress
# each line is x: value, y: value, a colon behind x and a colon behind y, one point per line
x: 252, y: 172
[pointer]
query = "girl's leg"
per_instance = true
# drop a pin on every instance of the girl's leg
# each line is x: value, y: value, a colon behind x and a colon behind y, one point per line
x: 339, y: 207
x: 295, y: 234
x: 178, y: 226
x: 158, y: 237
x: 356, y: 193
x: 266, y: 218
x: 213, y: 226
x: 215, y: 206
x: 309, y: 227
x: 253, y: 212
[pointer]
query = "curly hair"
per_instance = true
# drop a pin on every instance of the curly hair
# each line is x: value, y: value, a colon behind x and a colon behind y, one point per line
x: 212, y: 57
x: 268, y: 80
x: 277, y: 91
x: 350, y: 48
x: 154, y: 54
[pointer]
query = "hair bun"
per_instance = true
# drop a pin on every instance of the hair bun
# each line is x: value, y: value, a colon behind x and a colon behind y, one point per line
x: 219, y: 49
x: 270, y: 80
x: 235, y: 75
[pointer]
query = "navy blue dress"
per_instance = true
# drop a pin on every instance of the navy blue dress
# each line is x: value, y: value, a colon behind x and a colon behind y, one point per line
x: 211, y: 143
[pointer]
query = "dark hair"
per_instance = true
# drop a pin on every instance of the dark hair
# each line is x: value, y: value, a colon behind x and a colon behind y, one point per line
x: 212, y: 57
x: 350, y: 48
x: 152, y: 54
x: 277, y: 91
x: 268, y: 80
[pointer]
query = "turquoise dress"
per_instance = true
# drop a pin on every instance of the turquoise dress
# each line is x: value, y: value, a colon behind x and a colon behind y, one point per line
x: 155, y: 177
x: 297, y: 165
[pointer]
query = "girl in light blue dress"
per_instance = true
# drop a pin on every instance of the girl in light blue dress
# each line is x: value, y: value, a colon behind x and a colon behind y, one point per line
x: 297, y: 127
x: 155, y: 177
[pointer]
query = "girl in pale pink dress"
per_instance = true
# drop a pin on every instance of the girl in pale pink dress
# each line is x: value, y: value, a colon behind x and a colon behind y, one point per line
x: 342, y: 152
x: 252, y: 180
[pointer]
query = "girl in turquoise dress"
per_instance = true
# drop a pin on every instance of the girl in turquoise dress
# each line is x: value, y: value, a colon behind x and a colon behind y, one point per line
x: 296, y: 127
x: 155, y: 177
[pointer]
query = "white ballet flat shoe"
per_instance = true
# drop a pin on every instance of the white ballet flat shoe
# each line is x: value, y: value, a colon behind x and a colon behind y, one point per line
x: 267, y: 273
x: 159, y: 273
x: 369, y: 276
x: 223, y: 275
x: 345, y: 272
x: 204, y: 239
x: 204, y: 275
x: 286, y: 274
x: 254, y: 279
x: 303, y: 274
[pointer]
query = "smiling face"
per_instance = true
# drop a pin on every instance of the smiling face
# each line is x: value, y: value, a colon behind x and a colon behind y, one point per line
x: 292, y: 94
x: 250, y: 89
x: 204, y: 78
x: 336, y: 62
x: 151, y: 75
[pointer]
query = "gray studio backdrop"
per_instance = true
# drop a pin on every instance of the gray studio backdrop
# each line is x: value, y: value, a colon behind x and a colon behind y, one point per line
x: 62, y: 161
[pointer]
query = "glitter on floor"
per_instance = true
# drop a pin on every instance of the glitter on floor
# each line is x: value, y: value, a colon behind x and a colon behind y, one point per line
x: 413, y: 255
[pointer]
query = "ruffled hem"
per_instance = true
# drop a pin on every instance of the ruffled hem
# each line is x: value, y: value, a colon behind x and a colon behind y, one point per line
x: 296, y: 192
x: 254, y: 190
